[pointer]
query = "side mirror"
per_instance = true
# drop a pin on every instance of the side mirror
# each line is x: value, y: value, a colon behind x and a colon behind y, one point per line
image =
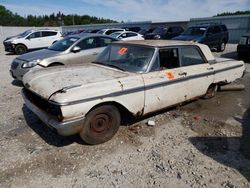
x: 76, y: 49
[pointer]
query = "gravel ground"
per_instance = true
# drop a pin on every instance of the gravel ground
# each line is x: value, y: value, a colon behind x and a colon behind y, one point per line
x: 204, y: 143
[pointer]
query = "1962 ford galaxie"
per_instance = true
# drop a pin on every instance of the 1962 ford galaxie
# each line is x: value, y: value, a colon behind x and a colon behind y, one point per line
x: 136, y: 77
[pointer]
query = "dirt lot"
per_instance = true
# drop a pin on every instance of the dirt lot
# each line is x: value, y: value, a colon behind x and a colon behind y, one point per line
x: 205, y: 143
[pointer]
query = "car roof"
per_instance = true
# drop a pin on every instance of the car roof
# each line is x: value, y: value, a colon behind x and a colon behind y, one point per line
x: 207, y: 25
x: 169, y: 43
x: 46, y: 30
x: 158, y: 43
x: 86, y: 35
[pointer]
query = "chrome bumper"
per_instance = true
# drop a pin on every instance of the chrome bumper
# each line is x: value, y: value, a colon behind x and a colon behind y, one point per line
x: 64, y: 128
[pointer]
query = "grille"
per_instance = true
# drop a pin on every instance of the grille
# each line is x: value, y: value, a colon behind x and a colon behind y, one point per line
x: 42, y: 103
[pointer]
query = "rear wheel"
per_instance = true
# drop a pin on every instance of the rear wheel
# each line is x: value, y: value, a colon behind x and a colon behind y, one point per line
x: 20, y: 49
x: 101, y: 124
x: 211, y: 91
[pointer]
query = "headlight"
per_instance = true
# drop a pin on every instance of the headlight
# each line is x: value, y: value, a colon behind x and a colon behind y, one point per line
x: 157, y: 37
x: 31, y: 63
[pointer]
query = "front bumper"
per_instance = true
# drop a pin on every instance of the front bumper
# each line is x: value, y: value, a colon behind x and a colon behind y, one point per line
x: 8, y: 47
x: 16, y: 70
x: 65, y: 128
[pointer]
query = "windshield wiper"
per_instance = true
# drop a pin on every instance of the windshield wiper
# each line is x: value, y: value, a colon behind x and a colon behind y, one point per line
x: 108, y: 65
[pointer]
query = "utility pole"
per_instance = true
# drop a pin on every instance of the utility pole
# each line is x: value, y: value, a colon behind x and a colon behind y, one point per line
x: 73, y: 19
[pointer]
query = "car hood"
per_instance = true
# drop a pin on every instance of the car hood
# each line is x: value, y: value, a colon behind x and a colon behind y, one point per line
x: 40, y: 54
x: 188, y: 37
x: 48, y: 81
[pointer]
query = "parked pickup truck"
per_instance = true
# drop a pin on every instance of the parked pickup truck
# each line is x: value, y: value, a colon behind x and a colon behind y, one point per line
x: 135, y: 77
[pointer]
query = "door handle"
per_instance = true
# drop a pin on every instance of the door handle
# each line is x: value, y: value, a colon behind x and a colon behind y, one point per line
x: 210, y: 68
x: 95, y: 53
x: 182, y: 74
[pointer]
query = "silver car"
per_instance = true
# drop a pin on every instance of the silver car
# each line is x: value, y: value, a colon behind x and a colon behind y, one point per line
x: 73, y: 49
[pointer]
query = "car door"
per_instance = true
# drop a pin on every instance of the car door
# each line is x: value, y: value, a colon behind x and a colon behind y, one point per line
x: 48, y: 37
x: 210, y: 38
x: 199, y: 72
x: 34, y: 40
x: 165, y: 84
x: 88, y: 51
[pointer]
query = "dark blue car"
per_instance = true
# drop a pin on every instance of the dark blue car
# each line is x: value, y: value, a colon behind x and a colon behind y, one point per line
x: 213, y: 35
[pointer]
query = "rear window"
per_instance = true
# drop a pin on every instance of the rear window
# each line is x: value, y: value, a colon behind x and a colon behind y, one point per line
x: 191, y: 56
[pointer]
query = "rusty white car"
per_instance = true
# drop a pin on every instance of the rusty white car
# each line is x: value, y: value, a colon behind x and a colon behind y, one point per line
x: 134, y: 77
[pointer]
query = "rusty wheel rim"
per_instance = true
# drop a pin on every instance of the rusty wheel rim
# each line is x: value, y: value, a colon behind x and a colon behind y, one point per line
x: 100, y: 124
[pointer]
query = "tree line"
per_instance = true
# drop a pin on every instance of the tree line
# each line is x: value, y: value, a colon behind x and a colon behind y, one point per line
x: 234, y: 13
x: 8, y: 18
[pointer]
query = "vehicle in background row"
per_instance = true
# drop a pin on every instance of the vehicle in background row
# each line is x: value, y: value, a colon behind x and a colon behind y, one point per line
x: 164, y: 33
x: 91, y: 31
x: 146, y: 31
x: 213, y: 35
x: 127, y: 35
x: 70, y: 50
x: 243, y: 48
x: 134, y: 29
x: 109, y: 31
x: 132, y: 77
x: 31, y: 40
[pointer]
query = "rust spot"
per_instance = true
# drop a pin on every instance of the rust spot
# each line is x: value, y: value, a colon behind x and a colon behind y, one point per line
x: 121, y: 85
x: 139, y: 113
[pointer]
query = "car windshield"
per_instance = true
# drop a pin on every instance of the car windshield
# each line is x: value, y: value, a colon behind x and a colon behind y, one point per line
x: 126, y: 57
x: 195, y: 31
x: 115, y: 34
x: 63, y: 44
x: 159, y: 30
x: 24, y: 34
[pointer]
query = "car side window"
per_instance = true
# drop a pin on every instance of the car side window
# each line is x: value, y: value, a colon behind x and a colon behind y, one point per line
x: 124, y: 35
x: 87, y: 43
x: 35, y: 35
x: 48, y: 33
x: 191, y: 56
x: 170, y: 30
x: 217, y: 29
x: 169, y: 58
x: 131, y: 34
x: 103, y: 41
x: 210, y: 30
x: 112, y: 31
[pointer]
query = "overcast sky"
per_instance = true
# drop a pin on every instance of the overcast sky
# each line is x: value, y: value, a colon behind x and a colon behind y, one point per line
x: 129, y: 10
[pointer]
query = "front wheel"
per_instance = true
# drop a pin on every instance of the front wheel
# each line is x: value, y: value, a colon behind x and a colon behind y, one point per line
x: 20, y: 49
x: 101, y: 124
